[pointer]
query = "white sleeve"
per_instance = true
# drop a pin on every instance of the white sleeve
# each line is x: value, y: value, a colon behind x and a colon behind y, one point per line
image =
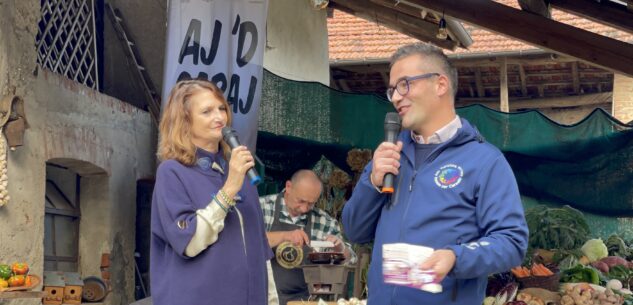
x: 273, y: 298
x: 210, y: 222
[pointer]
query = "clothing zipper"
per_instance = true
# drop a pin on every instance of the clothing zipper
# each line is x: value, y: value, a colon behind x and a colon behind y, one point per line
x: 456, y: 286
x: 415, y: 173
x: 393, y: 294
x: 406, y: 209
x: 394, y: 198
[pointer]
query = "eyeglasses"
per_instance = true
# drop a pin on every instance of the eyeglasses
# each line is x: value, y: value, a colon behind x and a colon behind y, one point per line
x: 402, y: 86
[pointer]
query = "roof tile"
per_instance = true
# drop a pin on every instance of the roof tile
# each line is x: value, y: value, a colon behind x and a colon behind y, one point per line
x: 353, y: 38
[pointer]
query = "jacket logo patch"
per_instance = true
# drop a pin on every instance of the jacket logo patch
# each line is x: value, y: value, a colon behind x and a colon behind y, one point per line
x: 449, y: 176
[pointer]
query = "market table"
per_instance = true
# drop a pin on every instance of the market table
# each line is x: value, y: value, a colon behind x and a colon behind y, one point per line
x: 22, y: 294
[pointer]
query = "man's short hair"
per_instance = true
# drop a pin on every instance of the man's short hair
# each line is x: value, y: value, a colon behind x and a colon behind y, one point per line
x: 434, y: 53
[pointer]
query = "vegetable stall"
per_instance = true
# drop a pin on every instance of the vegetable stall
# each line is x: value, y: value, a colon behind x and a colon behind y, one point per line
x: 565, y: 265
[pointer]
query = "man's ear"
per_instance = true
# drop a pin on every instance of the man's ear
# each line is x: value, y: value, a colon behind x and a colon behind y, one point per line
x: 442, y: 85
x: 288, y: 185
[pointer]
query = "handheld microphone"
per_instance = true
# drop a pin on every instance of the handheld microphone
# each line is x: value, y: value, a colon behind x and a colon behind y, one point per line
x: 230, y: 136
x: 392, y: 129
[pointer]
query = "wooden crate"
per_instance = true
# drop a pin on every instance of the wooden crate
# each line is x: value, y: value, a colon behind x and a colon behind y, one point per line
x: 72, y: 294
x: 54, y: 295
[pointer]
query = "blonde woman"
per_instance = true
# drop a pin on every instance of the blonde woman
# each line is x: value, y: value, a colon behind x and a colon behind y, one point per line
x: 208, y: 243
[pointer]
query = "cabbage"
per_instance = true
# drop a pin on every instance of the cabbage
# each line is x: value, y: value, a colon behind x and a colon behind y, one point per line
x: 595, y: 249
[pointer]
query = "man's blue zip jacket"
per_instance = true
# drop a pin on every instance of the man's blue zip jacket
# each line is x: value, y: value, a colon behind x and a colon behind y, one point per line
x: 463, y: 197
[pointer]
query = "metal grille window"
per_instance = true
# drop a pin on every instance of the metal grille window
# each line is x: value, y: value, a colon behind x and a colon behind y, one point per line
x: 66, y: 41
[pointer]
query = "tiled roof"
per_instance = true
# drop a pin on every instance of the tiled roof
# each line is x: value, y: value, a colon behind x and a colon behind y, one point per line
x: 353, y: 38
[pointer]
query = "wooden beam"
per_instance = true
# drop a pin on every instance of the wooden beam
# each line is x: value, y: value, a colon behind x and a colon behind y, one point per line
x: 422, y: 12
x: 517, y: 59
x: 606, y: 12
x: 403, y: 23
x: 402, y: 8
x: 595, y: 49
x: 364, y: 68
x: 503, y: 86
x: 575, y: 77
x: 450, y: 34
x: 390, y: 5
x: 523, y: 78
x: 538, y: 7
x: 480, y: 88
x: 543, y: 103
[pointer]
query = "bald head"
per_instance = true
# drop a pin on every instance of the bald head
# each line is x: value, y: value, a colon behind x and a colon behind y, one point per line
x: 302, y: 192
x: 305, y: 175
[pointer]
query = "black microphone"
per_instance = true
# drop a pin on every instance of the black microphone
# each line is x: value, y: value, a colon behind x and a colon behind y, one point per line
x: 392, y: 129
x: 230, y: 137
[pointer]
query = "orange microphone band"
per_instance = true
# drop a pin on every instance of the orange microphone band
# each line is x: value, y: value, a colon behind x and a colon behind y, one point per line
x: 387, y: 190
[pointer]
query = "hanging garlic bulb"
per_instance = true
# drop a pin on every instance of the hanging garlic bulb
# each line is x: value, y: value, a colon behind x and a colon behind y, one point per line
x: 4, y: 179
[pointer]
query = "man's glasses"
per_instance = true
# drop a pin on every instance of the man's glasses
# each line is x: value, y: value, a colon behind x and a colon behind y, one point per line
x: 402, y: 86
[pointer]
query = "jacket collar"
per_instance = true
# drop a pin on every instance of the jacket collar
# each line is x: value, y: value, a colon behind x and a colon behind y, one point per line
x: 464, y: 134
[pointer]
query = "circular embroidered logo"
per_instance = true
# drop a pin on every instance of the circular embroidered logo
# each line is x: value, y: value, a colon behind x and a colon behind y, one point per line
x: 449, y: 176
x: 204, y: 163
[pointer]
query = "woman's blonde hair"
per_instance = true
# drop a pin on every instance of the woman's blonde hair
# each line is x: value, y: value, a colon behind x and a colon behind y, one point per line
x: 175, y: 123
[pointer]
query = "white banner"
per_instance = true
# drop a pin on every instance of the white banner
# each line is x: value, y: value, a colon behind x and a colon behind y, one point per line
x: 222, y: 41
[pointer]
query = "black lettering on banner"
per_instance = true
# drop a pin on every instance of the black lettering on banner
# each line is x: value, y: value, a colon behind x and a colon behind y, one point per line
x: 213, y: 49
x: 184, y: 75
x: 194, y: 30
x: 203, y: 75
x: 245, y: 28
x: 188, y: 48
x: 193, y: 48
x: 220, y: 81
x: 246, y: 107
x: 234, y: 92
x: 233, y: 97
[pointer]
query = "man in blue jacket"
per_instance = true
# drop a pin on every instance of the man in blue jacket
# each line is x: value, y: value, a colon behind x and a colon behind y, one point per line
x: 453, y: 192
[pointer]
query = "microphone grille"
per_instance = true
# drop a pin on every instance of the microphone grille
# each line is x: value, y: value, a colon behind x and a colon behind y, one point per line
x: 227, y: 131
x: 392, y: 118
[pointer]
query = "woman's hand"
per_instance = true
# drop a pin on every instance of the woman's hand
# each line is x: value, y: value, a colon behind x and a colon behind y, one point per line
x: 241, y: 161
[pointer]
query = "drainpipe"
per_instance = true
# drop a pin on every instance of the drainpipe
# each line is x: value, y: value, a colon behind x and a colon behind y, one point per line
x: 459, y: 31
x: 484, y: 55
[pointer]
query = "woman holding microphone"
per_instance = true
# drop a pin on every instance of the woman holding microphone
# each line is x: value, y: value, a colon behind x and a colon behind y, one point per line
x: 208, y: 243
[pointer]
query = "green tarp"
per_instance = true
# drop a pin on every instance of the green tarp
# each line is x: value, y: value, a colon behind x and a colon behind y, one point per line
x: 588, y: 165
